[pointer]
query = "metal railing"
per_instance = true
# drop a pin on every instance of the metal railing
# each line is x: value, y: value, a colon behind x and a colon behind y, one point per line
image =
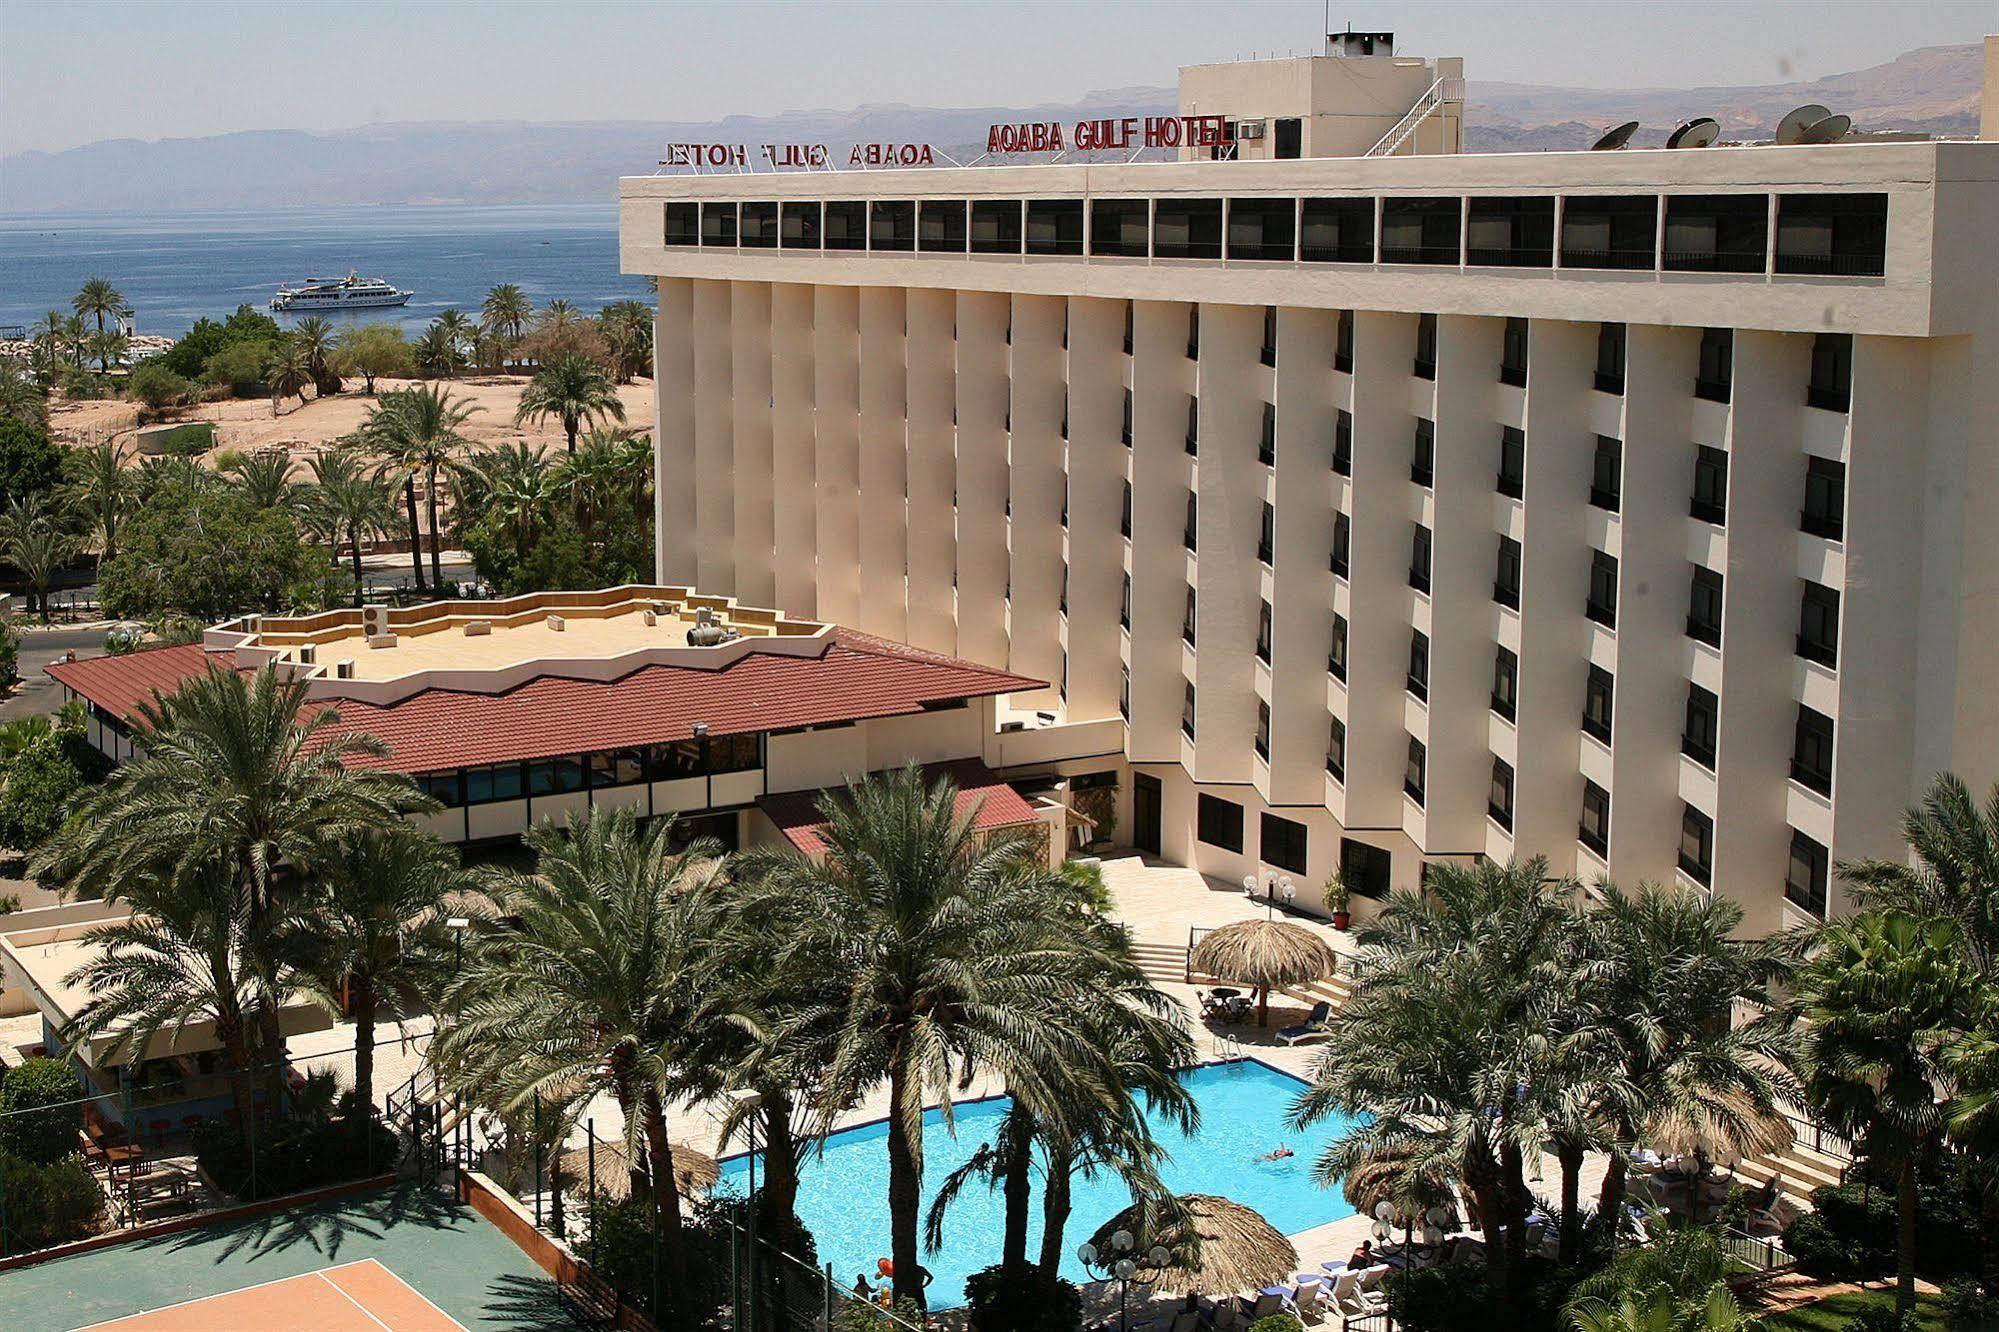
x: 1433, y: 98
x: 1759, y: 1253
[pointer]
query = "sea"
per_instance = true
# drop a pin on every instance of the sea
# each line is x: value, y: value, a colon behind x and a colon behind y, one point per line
x: 175, y: 268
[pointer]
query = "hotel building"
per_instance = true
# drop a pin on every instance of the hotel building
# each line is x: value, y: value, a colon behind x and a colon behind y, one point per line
x: 1366, y: 503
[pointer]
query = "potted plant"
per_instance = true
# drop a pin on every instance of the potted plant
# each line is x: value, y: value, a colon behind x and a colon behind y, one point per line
x: 1339, y: 896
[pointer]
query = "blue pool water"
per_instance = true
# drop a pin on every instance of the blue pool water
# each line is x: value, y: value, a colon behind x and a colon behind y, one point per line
x: 843, y: 1194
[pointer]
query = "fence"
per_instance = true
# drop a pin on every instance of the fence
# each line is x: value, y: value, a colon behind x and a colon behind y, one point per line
x: 1808, y: 1132
x: 1759, y: 1253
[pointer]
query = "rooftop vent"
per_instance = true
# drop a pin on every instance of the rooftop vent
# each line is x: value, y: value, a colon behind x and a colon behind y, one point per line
x: 708, y: 631
x: 307, y: 654
x: 343, y: 669
x: 478, y: 628
x: 556, y: 624
x: 651, y: 618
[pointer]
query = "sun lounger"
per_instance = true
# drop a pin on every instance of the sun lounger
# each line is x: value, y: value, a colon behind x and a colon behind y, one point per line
x: 1314, y: 1025
x: 1308, y: 1298
x: 1350, y: 1298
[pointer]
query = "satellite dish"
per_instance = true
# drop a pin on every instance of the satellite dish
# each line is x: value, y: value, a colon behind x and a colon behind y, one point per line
x: 1697, y: 133
x: 1616, y: 138
x: 1830, y: 130
x: 1791, y: 129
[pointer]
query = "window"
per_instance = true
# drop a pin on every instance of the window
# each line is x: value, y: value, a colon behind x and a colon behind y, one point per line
x: 940, y: 226
x: 1336, y: 749
x: 1609, y: 231
x: 1506, y: 577
x: 1054, y: 226
x: 1187, y: 710
x: 683, y: 227
x: 1717, y: 233
x: 1120, y: 227
x: 1505, y: 682
x: 1419, y: 664
x: 555, y: 776
x: 1419, y: 558
x: 1193, y: 425
x: 1818, y: 624
x: 1366, y: 867
x: 1124, y: 603
x: 1697, y: 739
x: 1511, y: 233
x: 1187, y: 228
x: 892, y: 225
x: 1282, y: 842
x: 1124, y: 427
x: 1062, y: 597
x: 1594, y: 829
x: 1124, y: 693
x: 798, y: 226
x: 1423, y: 454
x: 1343, y: 343
x: 1599, y: 690
x: 1824, y: 514
x: 1342, y: 543
x: 1263, y: 632
x: 1710, y: 503
x: 1287, y: 141
x: 1513, y: 354
x: 616, y: 767
x: 1697, y: 845
x: 1191, y: 531
x: 1512, y: 462
x: 1606, y: 481
x: 1268, y: 353
x: 718, y: 224
x: 1811, y: 751
x: 1704, y: 607
x: 1415, y: 771
x: 1831, y: 387
x: 1426, y: 347
x: 1499, y: 800
x: 1715, y: 378
x: 995, y: 226
x: 1193, y: 331
x: 845, y: 225
x: 448, y: 788
x: 1263, y: 730
x: 1805, y: 881
x: 1602, y: 603
x: 1124, y: 512
x: 1266, y: 443
x: 1419, y: 231
x: 1343, y: 442
x: 1218, y: 822
x: 1336, y: 655
x: 1610, y: 352
x: 497, y: 781
x: 1130, y: 318
x: 1336, y: 231
x: 1266, y: 536
x: 735, y: 753
x: 1843, y: 234
x: 1187, y: 620
x: 1263, y: 228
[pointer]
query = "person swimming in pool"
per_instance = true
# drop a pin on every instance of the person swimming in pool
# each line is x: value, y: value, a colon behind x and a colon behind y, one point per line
x: 1282, y: 1152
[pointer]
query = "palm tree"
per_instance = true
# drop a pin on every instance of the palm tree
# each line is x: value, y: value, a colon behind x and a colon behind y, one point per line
x: 109, y: 346
x: 99, y: 491
x: 952, y: 945
x: 51, y: 335
x: 592, y: 476
x: 265, y: 478
x: 1878, y: 1001
x: 290, y: 372
x: 507, y: 310
x: 517, y: 482
x: 315, y: 337
x: 353, y: 501
x: 438, y: 354
x: 76, y: 335
x: 21, y: 399
x: 1955, y: 874
x: 558, y: 314
x: 1657, y: 1310
x: 574, y: 388
x: 40, y: 551
x: 99, y: 299
x: 627, y: 328
x: 595, y: 979
x: 417, y: 429
x: 1678, y: 1274
x: 455, y: 323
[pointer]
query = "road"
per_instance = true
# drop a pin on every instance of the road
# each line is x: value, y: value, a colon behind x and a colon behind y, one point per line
x: 37, y: 693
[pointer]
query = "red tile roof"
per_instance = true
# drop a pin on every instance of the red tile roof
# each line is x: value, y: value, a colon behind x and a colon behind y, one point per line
x: 982, y: 796
x: 859, y: 677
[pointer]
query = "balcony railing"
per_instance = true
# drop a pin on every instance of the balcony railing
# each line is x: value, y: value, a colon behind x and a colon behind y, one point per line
x: 1830, y: 526
x: 1828, y: 399
x: 1506, y: 596
x: 1714, y: 390
x: 1609, y: 383
x: 1811, y: 649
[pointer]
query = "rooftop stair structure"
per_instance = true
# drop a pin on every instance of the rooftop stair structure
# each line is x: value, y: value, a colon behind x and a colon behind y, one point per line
x: 1434, y: 98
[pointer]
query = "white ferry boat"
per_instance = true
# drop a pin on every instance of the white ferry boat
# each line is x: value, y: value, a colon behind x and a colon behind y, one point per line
x: 348, y: 293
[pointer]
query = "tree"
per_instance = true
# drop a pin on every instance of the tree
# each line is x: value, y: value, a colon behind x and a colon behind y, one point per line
x: 1674, y: 1280
x: 42, y: 778
x: 290, y: 371
x: 507, y: 310
x: 108, y: 347
x: 952, y: 946
x: 417, y: 429
x: 99, y: 299
x: 40, y: 550
x: 627, y: 330
x: 438, y: 354
x: 574, y: 389
x: 1955, y: 871
x: 202, y: 551
x: 265, y: 478
x: 40, y: 1113
x: 22, y: 400
x: 314, y: 337
x: 157, y: 387
x: 373, y: 351
x: 50, y: 336
x: 353, y: 501
x: 1878, y: 1000
x: 30, y: 462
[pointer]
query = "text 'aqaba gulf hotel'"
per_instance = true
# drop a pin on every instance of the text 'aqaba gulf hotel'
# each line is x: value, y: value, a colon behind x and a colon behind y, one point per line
x: 1375, y: 503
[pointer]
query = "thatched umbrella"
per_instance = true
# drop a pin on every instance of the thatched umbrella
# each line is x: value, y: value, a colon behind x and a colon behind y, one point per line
x: 1216, y: 1247
x: 1394, y: 1175
x: 1265, y: 954
x: 694, y: 1173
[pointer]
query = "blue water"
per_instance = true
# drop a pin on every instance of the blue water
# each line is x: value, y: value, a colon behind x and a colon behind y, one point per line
x: 176, y: 268
x: 843, y: 1194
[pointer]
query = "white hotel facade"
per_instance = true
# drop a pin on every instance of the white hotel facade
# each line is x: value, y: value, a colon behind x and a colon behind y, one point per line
x: 1637, y: 509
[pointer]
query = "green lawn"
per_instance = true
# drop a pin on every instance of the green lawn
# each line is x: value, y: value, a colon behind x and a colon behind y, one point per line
x: 1834, y: 1314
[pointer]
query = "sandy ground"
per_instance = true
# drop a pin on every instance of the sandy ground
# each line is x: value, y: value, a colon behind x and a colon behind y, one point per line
x: 247, y: 423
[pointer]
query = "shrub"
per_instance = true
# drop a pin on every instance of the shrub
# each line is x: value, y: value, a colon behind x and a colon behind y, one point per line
x: 1457, y: 1297
x: 1881, y: 1318
x: 41, y: 781
x: 1036, y: 1302
x: 157, y: 387
x: 242, y: 366
x: 38, y: 1118
x: 1850, y: 1234
x: 293, y: 1156
x: 1277, y: 1323
x: 30, y: 463
x: 49, y: 1204
x: 10, y: 652
x: 1968, y: 1307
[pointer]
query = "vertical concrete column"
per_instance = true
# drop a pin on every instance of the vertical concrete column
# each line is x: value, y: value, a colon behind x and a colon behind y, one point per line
x: 1096, y: 467
x: 753, y: 402
x: 714, y: 440
x: 1161, y: 477
x: 1232, y: 485
x: 836, y: 395
x: 793, y: 508
x: 1295, y: 582
x: 982, y: 476
x: 1034, y: 488
x: 674, y: 465
x: 884, y: 455
x: 933, y: 469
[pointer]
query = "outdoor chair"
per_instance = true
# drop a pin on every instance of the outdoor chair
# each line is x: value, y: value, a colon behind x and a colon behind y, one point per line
x: 1314, y: 1025
x: 1308, y: 1299
x: 1351, y: 1298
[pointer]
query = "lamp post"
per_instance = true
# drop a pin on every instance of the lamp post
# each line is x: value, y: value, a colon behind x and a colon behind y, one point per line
x: 1273, y: 887
x: 1119, y: 1263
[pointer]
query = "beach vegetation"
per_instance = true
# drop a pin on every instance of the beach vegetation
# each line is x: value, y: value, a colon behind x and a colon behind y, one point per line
x: 348, y: 500
x: 30, y: 462
x: 417, y: 432
x: 190, y: 354
x: 314, y: 336
x: 201, y: 550
x: 244, y: 369
x: 627, y: 331
x: 575, y: 390
x: 22, y: 400
x: 35, y: 539
x: 373, y: 351
x: 154, y: 386
x: 289, y: 371
x: 584, y: 522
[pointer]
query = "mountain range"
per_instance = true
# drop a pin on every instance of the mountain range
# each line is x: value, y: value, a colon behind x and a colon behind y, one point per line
x: 1932, y: 90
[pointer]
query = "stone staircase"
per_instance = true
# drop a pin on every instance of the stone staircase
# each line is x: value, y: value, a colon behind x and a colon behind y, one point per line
x: 1167, y: 964
x: 1800, y: 1168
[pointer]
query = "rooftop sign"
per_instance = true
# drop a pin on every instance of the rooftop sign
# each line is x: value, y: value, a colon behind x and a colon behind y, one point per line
x: 1046, y: 136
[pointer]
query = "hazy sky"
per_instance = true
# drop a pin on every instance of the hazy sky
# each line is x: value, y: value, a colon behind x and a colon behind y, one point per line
x: 74, y: 71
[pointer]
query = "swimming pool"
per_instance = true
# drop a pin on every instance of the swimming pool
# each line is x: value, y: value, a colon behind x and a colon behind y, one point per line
x: 843, y: 1194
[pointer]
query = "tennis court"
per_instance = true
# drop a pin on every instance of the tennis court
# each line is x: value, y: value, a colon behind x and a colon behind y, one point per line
x: 361, y: 1296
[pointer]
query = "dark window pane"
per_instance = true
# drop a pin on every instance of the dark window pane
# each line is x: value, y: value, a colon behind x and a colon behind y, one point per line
x: 1841, y: 234
x: 1606, y: 483
x: 1506, y: 576
x: 1423, y: 453
x: 760, y: 226
x: 1336, y: 231
x: 497, y: 781
x: 1602, y: 603
x: 940, y: 225
x: 1824, y: 514
x: 1697, y: 740
x: 1831, y: 386
x: 1263, y: 228
x: 995, y: 226
x: 1187, y: 228
x: 1716, y: 376
x: 1336, y: 655
x: 718, y: 224
x: 1805, y: 880
x: 1697, y: 845
x: 1119, y: 226
x: 683, y: 224
x: 1218, y: 822
x: 1419, y: 664
x: 1499, y: 801
x: 616, y: 767
x: 1710, y: 502
x: 1716, y: 233
x: 1610, y: 353
x: 1704, y: 607
x: 1426, y: 347
x: 1513, y: 354
x: 846, y: 225
x: 798, y: 226
x: 1511, y: 233
x: 1505, y: 682
x: 1419, y: 558
x: 1283, y: 843
x: 1415, y: 773
x: 1419, y: 231
x: 1054, y: 226
x: 446, y: 788
x: 1811, y: 752
x: 555, y: 776
x: 1512, y: 461
x: 1598, y: 691
x: 1336, y: 749
x: 1609, y: 231
x: 1594, y: 829
x: 892, y: 225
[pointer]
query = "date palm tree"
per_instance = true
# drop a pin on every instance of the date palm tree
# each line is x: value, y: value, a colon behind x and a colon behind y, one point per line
x: 51, y: 337
x: 315, y: 337
x: 265, y: 479
x: 21, y: 399
x: 507, y: 310
x: 353, y: 500
x: 417, y: 429
x: 290, y: 372
x: 1955, y: 874
x: 99, y: 491
x: 438, y: 353
x: 108, y: 346
x: 955, y: 948
x: 574, y: 389
x: 558, y: 314
x: 99, y: 299
x: 627, y: 328
x: 517, y: 482
x: 40, y: 551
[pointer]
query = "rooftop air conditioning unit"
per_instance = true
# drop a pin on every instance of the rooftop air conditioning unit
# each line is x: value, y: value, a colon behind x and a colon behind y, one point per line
x: 374, y: 621
x: 1249, y: 129
x: 1006, y: 726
